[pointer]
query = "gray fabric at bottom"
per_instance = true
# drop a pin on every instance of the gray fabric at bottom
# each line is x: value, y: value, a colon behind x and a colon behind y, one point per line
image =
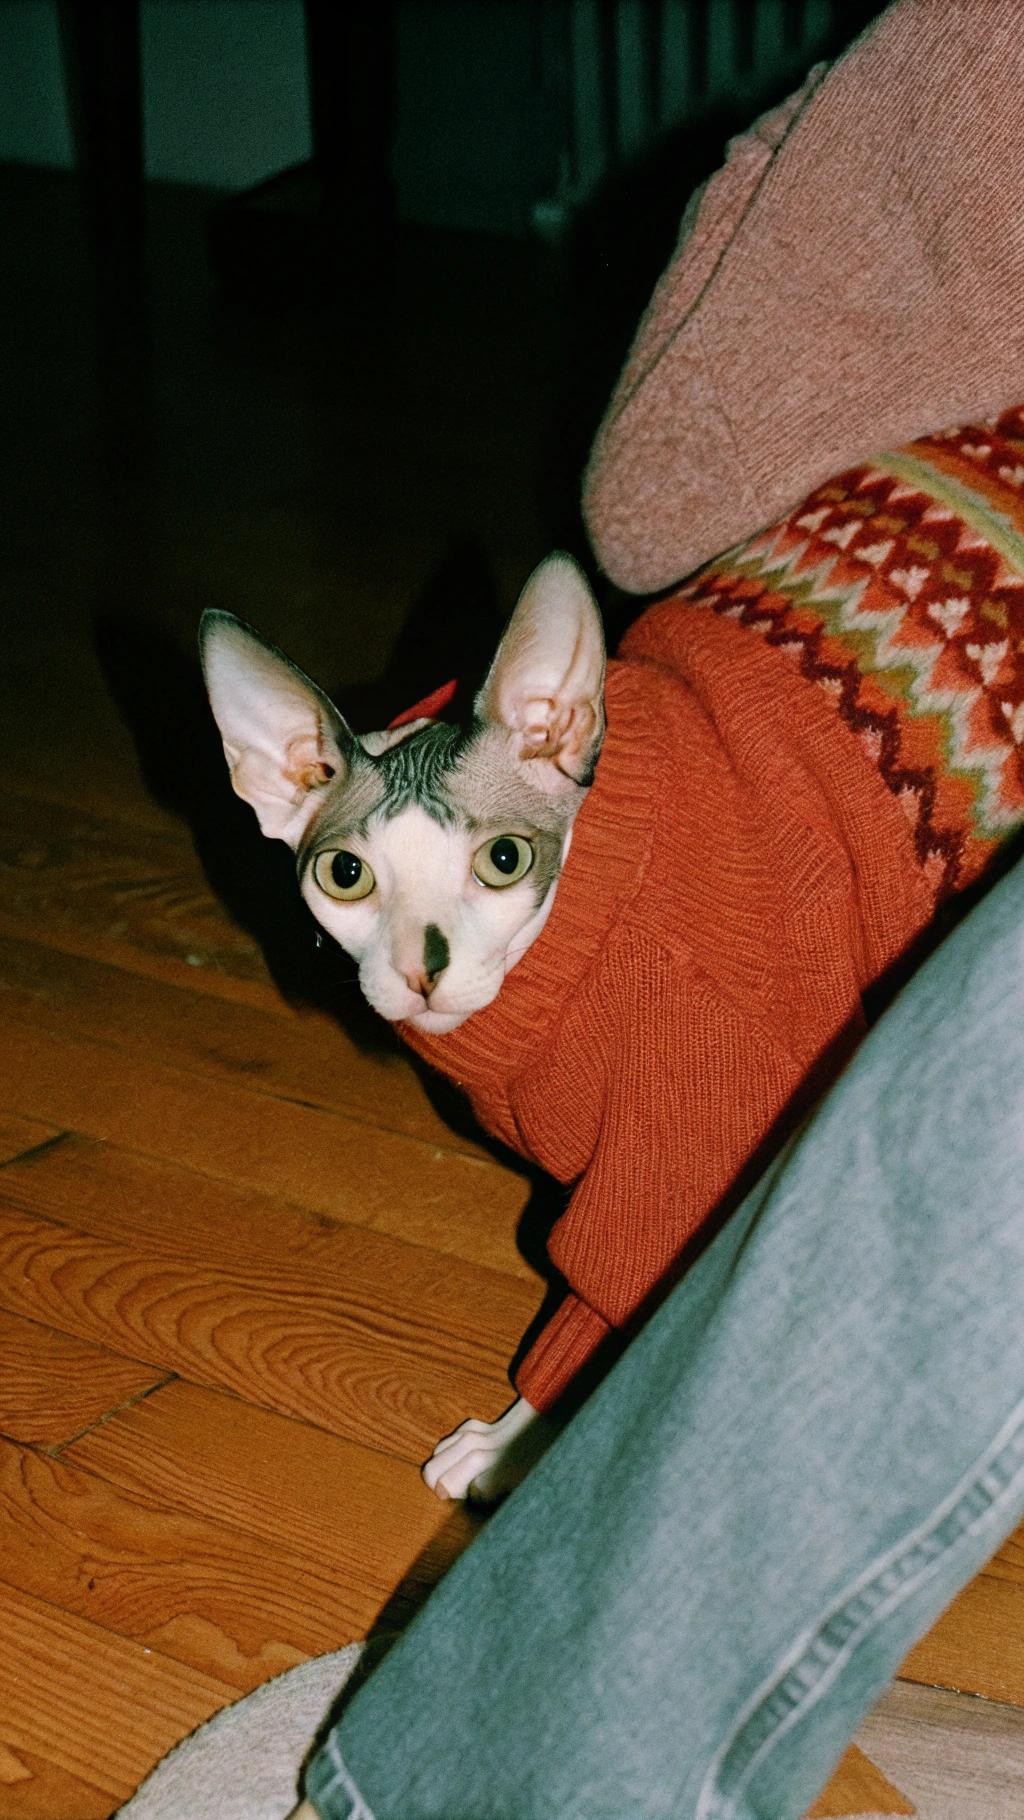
x: 244, y: 1763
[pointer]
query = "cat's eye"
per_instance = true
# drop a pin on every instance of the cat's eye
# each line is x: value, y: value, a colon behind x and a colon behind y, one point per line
x: 343, y: 875
x: 503, y: 861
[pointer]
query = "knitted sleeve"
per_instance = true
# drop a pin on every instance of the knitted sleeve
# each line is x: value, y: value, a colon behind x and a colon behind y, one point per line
x: 693, y: 1087
x: 571, y: 1337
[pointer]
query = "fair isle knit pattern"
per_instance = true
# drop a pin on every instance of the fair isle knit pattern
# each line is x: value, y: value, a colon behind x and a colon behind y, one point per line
x: 898, y: 589
x: 808, y: 747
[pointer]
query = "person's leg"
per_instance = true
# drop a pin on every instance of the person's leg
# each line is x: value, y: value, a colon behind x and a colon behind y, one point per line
x: 809, y: 314
x: 689, y: 1605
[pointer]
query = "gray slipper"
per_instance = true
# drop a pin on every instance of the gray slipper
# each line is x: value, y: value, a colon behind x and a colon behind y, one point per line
x: 244, y: 1763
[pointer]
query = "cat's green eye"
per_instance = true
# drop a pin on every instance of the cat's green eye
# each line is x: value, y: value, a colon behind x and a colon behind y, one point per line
x: 503, y: 861
x: 343, y: 875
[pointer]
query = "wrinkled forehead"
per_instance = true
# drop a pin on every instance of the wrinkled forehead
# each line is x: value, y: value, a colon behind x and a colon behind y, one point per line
x: 490, y: 791
x: 348, y: 806
x: 457, y: 778
x: 413, y: 773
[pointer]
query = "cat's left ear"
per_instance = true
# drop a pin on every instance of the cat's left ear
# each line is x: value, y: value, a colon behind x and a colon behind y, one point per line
x: 283, y: 740
x: 546, y: 684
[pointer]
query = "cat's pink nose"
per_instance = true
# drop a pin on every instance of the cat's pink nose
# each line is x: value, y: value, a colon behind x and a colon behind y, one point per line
x: 420, y: 982
x: 433, y: 958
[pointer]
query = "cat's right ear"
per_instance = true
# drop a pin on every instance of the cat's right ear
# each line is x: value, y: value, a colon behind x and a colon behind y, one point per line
x: 546, y: 684
x: 283, y: 740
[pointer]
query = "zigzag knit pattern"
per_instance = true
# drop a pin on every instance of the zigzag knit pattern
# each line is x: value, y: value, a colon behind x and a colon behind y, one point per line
x: 898, y: 588
x: 807, y: 747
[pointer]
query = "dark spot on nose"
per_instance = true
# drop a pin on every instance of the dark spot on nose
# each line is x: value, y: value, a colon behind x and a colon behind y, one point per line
x: 436, y: 953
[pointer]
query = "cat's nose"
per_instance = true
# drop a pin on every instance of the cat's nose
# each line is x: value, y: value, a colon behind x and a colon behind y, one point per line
x: 435, y: 956
x: 419, y: 980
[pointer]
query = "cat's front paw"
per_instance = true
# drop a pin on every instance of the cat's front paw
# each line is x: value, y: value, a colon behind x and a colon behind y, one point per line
x: 481, y: 1461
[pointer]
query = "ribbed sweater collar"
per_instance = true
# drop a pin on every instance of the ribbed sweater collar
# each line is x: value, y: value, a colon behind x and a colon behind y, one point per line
x: 611, y: 844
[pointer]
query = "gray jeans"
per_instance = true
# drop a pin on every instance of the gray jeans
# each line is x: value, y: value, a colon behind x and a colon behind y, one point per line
x: 689, y: 1605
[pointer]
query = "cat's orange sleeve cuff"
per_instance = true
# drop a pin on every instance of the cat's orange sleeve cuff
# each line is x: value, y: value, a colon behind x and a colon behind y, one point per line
x: 570, y: 1338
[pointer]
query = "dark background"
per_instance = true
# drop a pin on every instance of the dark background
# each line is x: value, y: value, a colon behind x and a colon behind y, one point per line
x: 341, y: 375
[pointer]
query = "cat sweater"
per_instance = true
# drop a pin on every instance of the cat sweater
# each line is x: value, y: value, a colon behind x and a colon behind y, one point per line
x: 784, y: 794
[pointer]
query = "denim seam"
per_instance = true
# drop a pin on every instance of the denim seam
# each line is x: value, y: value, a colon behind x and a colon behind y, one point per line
x: 360, y: 1809
x: 819, y: 1655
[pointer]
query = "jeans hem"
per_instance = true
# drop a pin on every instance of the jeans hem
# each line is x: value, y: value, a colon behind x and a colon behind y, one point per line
x: 819, y: 1656
x: 335, y: 1781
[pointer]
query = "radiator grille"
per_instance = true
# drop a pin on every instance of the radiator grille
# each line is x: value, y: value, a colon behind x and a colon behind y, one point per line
x: 627, y: 71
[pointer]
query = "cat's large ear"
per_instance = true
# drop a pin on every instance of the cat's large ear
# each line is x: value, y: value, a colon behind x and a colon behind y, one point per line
x: 546, y: 684
x: 283, y: 740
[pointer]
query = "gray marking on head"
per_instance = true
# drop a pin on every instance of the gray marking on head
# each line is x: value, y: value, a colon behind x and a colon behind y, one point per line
x: 457, y: 777
x: 348, y: 805
x: 416, y: 771
x: 546, y: 866
x: 491, y: 789
x: 492, y: 794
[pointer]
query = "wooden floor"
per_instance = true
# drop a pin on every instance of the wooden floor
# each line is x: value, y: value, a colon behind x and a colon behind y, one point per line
x: 249, y: 1270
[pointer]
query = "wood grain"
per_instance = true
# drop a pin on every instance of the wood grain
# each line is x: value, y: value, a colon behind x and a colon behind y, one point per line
x: 19, y: 1134
x: 345, y: 1361
x: 186, y: 1584
x: 977, y: 1646
x: 32, y: 1789
x: 384, y: 1284
x: 97, y: 1709
x: 133, y: 895
x: 958, y: 1758
x: 274, y: 1050
x: 360, y: 1515
x: 53, y: 1387
x: 332, y: 1164
x: 212, y: 1599
x: 299, y: 1233
x: 857, y: 1786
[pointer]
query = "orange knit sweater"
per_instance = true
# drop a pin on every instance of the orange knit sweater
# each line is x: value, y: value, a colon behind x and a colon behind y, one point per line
x: 819, y: 738
x: 738, y: 874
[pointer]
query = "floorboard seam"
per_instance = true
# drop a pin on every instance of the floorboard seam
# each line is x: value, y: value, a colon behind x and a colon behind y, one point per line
x: 323, y: 1220
x: 34, y: 1150
x: 55, y: 1450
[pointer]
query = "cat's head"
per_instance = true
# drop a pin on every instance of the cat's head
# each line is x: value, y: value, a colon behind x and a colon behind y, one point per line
x: 430, y: 852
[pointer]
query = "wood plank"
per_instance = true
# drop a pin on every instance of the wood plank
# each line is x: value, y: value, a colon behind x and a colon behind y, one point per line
x: 94, y: 868
x: 97, y: 1708
x: 376, y: 1280
x: 857, y: 1786
x: 209, y: 1596
x: 133, y: 895
x: 343, y: 1168
x: 958, y: 1758
x: 360, y: 1515
x: 977, y: 1646
x: 32, y: 1789
x: 110, y: 1192
x: 305, y: 1057
x: 322, y: 1497
x: 19, y: 1134
x: 367, y: 1359
x: 53, y: 1387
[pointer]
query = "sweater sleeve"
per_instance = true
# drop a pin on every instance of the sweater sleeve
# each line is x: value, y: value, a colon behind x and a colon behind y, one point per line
x: 692, y: 1088
x: 570, y: 1338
